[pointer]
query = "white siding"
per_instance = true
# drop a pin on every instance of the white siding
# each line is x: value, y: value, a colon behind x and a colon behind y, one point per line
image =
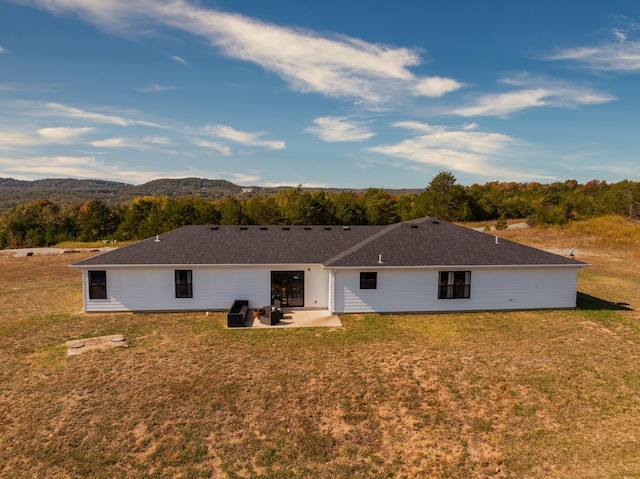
x: 214, y: 288
x: 416, y: 290
x: 398, y: 290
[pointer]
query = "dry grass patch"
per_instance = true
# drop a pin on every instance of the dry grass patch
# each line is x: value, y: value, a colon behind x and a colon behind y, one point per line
x: 528, y: 394
x: 604, y: 235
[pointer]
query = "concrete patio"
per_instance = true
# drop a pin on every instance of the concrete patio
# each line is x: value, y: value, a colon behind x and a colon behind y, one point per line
x: 300, y: 318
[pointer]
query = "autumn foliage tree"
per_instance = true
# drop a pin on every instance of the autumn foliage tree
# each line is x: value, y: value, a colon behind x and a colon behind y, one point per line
x: 43, y: 222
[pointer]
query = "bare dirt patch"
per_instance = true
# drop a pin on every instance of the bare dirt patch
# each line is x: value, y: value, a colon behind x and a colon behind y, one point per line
x: 80, y: 346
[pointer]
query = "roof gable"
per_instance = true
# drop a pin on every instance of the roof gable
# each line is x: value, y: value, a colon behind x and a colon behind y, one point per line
x: 432, y: 242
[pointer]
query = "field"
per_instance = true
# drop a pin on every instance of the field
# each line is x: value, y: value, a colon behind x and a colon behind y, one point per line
x: 521, y: 395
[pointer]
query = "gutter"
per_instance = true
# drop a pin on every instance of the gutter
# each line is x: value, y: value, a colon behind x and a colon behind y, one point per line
x: 286, y: 266
x: 453, y: 267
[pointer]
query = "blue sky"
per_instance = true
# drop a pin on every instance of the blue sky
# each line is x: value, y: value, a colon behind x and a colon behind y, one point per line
x: 348, y: 94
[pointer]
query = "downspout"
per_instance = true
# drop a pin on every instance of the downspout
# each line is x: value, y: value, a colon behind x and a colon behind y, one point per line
x: 85, y: 288
x: 332, y: 291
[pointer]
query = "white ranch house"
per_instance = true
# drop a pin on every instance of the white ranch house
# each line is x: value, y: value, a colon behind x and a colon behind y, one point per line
x: 423, y: 265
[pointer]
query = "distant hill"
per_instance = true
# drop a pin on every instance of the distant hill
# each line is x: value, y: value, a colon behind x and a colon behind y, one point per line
x: 15, y: 192
x: 68, y: 190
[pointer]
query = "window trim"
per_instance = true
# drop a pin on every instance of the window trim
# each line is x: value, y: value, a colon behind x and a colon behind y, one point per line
x: 183, y: 290
x: 452, y: 288
x: 368, y: 280
x: 97, y: 289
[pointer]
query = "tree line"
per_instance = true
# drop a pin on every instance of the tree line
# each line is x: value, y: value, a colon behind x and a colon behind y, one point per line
x: 45, y: 223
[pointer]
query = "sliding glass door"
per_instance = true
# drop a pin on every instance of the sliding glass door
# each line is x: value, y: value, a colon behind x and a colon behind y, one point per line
x: 289, y: 286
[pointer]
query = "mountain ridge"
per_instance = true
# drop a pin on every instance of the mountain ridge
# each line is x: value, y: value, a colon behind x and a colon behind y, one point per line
x: 70, y: 190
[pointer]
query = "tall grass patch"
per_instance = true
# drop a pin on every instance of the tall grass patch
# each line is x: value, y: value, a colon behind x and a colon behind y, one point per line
x: 607, y: 232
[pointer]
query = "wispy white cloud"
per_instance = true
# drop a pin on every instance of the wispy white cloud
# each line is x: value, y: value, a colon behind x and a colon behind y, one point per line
x: 116, y: 143
x: 242, y: 137
x: 333, y: 65
x: 63, y: 134
x: 106, y: 118
x: 436, y: 86
x: 158, y: 144
x: 339, y: 129
x: 59, y: 110
x: 74, y: 167
x: 416, y: 126
x: 624, y: 170
x: 157, y: 140
x: 622, y: 54
x: 534, y: 92
x: 43, y: 136
x: 471, y: 152
x: 213, y: 145
x: 154, y: 88
x: 3, y: 51
x: 502, y: 104
x: 26, y: 150
x: 437, y: 136
x: 12, y: 139
x: 181, y: 60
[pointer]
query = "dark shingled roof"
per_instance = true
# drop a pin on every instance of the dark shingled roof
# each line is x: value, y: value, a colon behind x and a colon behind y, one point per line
x: 422, y: 242
x: 430, y: 242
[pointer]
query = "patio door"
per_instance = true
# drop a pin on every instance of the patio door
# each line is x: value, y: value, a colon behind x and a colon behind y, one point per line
x: 289, y: 285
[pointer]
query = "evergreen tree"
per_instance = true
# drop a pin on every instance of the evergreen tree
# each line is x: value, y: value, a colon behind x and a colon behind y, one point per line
x: 444, y: 199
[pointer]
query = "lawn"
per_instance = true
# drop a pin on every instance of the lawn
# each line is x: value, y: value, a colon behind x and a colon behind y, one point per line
x: 525, y: 394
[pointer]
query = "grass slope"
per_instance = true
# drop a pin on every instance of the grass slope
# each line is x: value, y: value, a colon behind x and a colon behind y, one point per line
x: 527, y: 394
